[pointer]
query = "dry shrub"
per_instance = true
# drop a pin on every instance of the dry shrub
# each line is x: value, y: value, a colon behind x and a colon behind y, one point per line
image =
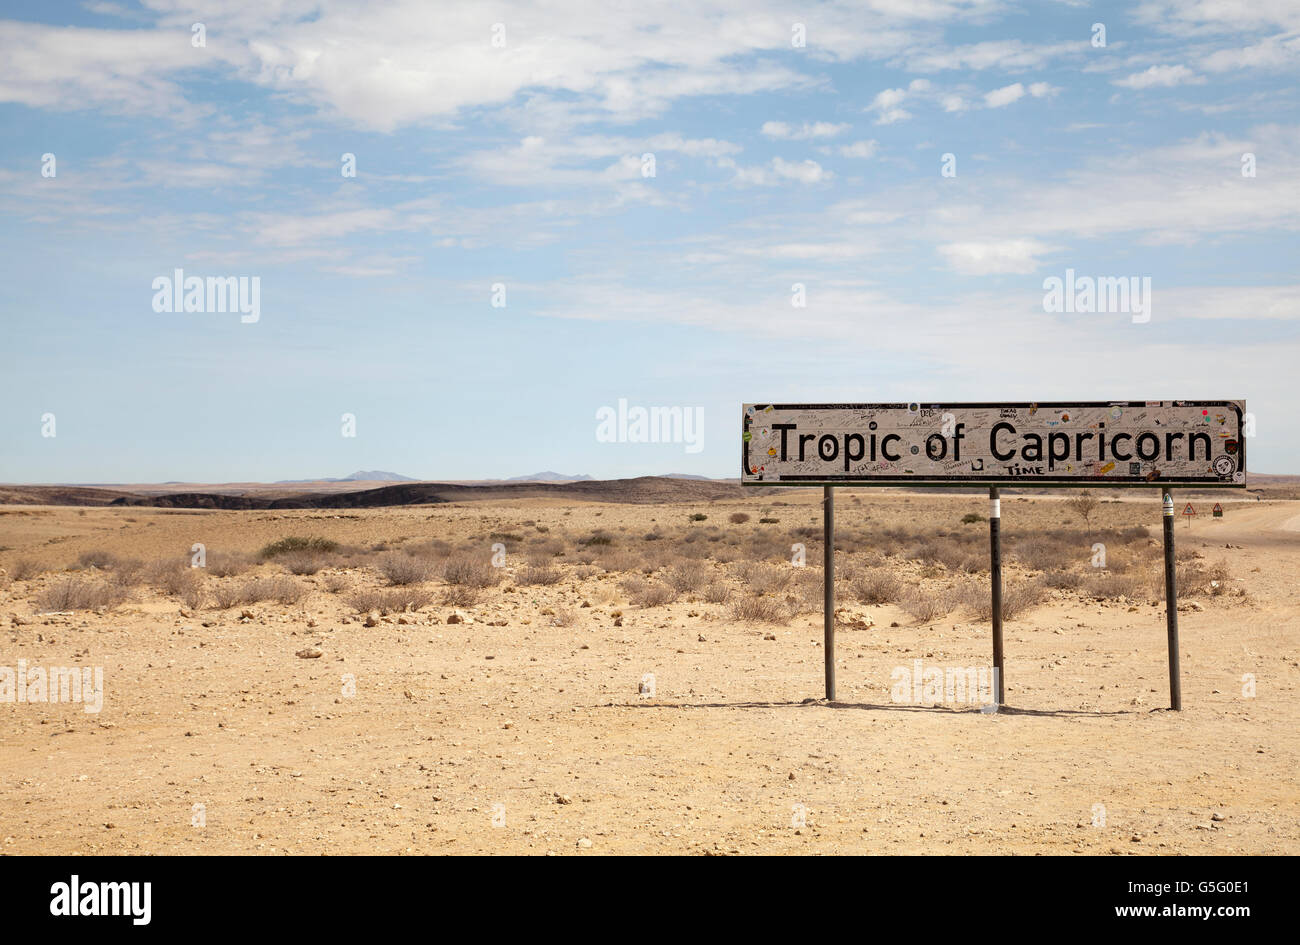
x: 282, y: 589
x: 127, y: 572
x: 297, y: 543
x: 759, y: 608
x: 470, y: 570
x: 539, y: 575
x: 738, y: 518
x: 460, y: 595
x: 388, y: 600
x: 24, y: 569
x: 1044, y: 554
x: 301, y: 562
x: 1017, y: 597
x: 925, y: 606
x: 226, y: 595
x: 79, y: 593
x: 103, y: 560
x: 652, y: 594
x: 688, y: 577
x: 877, y: 586
x: 1063, y: 580
x: 582, y: 572
x: 224, y: 564
x: 620, y: 561
x: 717, y: 593
x: 403, y: 569
x: 765, y: 578
x: 563, y: 617
x: 1106, y: 586
x: 337, y: 582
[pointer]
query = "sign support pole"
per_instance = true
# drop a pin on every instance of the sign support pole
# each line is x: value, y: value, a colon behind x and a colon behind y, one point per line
x: 995, y: 559
x: 1171, y: 605
x: 828, y: 586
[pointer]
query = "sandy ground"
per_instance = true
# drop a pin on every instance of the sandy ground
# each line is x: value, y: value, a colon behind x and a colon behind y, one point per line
x: 532, y: 738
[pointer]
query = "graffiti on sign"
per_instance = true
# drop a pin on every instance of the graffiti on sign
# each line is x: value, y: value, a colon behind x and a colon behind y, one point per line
x: 1048, y: 443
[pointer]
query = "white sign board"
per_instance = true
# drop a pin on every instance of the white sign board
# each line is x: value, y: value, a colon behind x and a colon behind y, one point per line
x: 1168, y: 442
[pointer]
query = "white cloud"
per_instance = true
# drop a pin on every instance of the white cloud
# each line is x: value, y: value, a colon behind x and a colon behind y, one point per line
x: 994, y: 256
x: 1004, y: 96
x: 817, y: 129
x: 1043, y: 89
x: 860, y: 149
x: 1161, y: 77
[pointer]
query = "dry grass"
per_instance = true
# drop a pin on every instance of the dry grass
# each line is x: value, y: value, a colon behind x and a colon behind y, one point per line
x: 302, y: 562
x: 471, y: 570
x: 79, y: 593
x: 688, y: 577
x: 337, y: 582
x: 461, y: 595
x: 544, y: 575
x: 388, y: 600
x: 282, y: 589
x: 24, y: 569
x: 876, y: 586
x: 759, y: 608
x: 402, y: 569
x: 224, y: 564
x: 717, y: 593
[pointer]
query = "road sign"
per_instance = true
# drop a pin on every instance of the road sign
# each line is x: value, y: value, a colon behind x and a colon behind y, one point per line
x: 1217, y: 511
x: 1189, y: 510
x: 1096, y: 443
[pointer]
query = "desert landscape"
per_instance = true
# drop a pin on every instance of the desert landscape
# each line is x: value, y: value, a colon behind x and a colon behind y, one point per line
x: 636, y: 667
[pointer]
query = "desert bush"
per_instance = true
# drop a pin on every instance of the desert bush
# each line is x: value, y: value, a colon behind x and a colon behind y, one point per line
x: 597, y: 538
x: 652, y: 594
x: 301, y: 562
x: 765, y: 578
x: 758, y: 608
x: 970, y: 518
x: 298, y: 543
x: 460, y: 595
x: 1104, y: 585
x: 563, y: 617
x: 226, y: 595
x: 1063, y: 580
x: 877, y: 586
x: 103, y: 560
x: 24, y: 569
x: 717, y: 593
x: 393, y: 600
x: 738, y: 518
x: 925, y: 606
x: 401, y: 569
x: 337, y: 582
x: 1017, y: 597
x: 282, y: 589
x: 768, y: 521
x: 687, y: 577
x: 538, y: 575
x: 697, y: 516
x: 79, y: 593
x: 472, y: 570
x: 620, y: 561
x: 224, y: 564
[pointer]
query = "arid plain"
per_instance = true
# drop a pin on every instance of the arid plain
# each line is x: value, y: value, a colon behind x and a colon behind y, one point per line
x: 543, y: 674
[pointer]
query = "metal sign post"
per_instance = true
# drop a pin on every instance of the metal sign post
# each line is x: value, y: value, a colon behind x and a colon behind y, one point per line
x: 828, y: 587
x: 1171, y: 605
x: 995, y: 558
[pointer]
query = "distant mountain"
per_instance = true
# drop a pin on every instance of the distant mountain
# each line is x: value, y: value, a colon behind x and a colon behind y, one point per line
x: 376, y: 475
x: 550, y: 477
x: 361, y: 475
x: 686, y: 476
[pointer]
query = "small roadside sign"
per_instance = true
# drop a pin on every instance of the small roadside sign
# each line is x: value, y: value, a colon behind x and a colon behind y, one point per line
x: 1189, y: 510
x: 1217, y: 511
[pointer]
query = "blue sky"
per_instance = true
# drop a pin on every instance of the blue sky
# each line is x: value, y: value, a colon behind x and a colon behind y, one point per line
x: 521, y: 163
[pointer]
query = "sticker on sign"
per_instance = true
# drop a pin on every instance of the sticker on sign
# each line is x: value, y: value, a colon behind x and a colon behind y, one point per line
x: 1058, y: 443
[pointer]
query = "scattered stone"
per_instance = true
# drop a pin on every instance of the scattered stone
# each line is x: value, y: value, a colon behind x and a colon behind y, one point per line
x: 311, y: 653
x: 584, y: 843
